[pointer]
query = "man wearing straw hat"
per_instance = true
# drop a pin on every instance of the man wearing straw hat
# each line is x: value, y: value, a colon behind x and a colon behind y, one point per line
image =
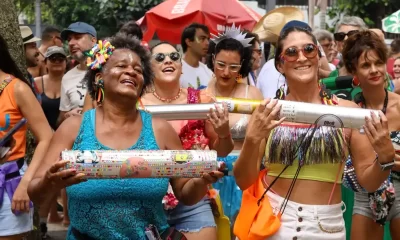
x: 31, y: 52
x: 268, y: 30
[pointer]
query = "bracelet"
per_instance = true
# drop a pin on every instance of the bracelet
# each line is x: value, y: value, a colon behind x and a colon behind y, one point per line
x: 228, y: 136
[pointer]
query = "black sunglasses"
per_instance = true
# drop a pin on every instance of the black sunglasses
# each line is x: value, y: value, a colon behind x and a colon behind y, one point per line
x: 57, y: 58
x: 340, y: 36
x: 160, y: 57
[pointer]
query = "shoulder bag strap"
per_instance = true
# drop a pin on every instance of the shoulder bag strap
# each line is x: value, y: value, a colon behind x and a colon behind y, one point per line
x: 4, y: 83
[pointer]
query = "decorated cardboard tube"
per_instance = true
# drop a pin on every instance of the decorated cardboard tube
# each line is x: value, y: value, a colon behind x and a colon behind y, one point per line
x: 109, y: 164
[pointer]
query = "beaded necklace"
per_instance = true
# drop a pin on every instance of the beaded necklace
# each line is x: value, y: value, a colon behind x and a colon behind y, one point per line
x: 168, y: 100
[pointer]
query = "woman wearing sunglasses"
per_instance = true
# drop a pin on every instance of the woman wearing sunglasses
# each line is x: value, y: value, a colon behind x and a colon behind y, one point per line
x: 49, y: 87
x: 365, y: 56
x: 117, y: 208
x: 305, y: 162
x: 229, y: 60
x: 348, y: 26
x: 195, y: 222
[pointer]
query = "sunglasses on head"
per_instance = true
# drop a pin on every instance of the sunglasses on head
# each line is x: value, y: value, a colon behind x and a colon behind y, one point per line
x: 291, y: 54
x: 340, y: 36
x: 56, y: 58
x: 160, y: 57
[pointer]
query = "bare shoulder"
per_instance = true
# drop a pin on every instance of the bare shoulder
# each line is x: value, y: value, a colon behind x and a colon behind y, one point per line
x: 70, y: 127
x: 21, y: 87
x: 255, y: 93
x: 23, y: 92
x: 38, y: 82
x: 206, y: 96
x: 395, y: 99
x: 161, y: 125
x: 347, y: 103
x: 38, y: 79
x: 164, y: 133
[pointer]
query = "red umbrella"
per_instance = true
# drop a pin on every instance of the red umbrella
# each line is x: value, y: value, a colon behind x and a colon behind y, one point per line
x: 169, y: 18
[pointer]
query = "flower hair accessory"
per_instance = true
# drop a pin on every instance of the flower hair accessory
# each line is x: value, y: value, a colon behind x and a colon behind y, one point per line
x: 145, y: 45
x: 235, y: 33
x: 99, y: 54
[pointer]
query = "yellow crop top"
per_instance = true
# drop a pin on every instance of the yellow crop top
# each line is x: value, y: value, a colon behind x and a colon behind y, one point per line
x: 320, y: 150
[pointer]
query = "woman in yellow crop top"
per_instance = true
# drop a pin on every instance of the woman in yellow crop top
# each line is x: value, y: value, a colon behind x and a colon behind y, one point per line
x: 304, y: 163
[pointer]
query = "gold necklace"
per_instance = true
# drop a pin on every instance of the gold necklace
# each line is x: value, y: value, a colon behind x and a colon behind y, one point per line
x: 168, y: 100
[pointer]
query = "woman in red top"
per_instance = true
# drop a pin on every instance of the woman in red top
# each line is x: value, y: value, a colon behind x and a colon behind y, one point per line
x: 18, y: 101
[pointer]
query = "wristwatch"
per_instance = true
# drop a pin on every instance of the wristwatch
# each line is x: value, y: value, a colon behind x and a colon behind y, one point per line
x: 386, y: 166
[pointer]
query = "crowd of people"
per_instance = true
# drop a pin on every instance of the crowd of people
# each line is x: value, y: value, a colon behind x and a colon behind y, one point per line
x: 282, y: 181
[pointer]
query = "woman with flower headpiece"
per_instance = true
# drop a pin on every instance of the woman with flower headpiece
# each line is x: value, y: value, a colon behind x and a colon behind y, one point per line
x: 365, y: 55
x: 115, y: 208
x: 197, y: 221
x: 297, y: 195
x: 230, y: 58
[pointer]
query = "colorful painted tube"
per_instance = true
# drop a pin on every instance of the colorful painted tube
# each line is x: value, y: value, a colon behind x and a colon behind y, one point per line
x: 99, y: 164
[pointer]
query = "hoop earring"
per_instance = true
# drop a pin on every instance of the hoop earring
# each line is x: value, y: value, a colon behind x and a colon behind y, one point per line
x: 355, y: 82
x: 239, y: 78
x: 325, y: 94
x: 99, y: 94
x: 280, y: 93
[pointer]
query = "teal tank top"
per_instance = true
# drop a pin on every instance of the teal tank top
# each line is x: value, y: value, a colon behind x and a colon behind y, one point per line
x: 116, y: 208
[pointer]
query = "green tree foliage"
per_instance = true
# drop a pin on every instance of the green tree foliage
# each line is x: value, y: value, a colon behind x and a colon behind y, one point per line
x: 124, y: 10
x: 371, y: 11
x: 105, y: 15
x: 27, y: 7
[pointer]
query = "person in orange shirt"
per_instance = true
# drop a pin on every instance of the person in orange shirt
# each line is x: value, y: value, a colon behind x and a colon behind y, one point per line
x: 18, y: 101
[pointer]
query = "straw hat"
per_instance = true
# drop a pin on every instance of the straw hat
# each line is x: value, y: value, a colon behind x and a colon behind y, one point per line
x: 271, y: 24
x: 27, y: 35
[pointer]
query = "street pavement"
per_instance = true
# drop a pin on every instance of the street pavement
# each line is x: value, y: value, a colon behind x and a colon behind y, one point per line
x: 56, y: 231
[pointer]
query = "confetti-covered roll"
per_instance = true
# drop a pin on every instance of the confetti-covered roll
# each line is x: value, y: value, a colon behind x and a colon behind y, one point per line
x: 141, y: 164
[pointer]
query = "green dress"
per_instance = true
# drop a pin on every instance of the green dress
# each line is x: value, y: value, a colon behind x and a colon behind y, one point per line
x: 347, y: 194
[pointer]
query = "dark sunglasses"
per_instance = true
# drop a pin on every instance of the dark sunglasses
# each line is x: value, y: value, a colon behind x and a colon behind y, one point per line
x: 160, y: 57
x: 340, y: 36
x: 291, y: 54
x: 56, y: 58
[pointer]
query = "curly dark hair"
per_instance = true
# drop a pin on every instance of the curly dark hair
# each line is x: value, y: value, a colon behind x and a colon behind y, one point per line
x: 124, y: 41
x: 360, y: 42
x: 233, y: 45
x: 283, y: 36
x: 133, y: 29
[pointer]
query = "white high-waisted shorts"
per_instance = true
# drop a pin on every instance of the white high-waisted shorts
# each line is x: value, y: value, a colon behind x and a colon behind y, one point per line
x: 308, y: 222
